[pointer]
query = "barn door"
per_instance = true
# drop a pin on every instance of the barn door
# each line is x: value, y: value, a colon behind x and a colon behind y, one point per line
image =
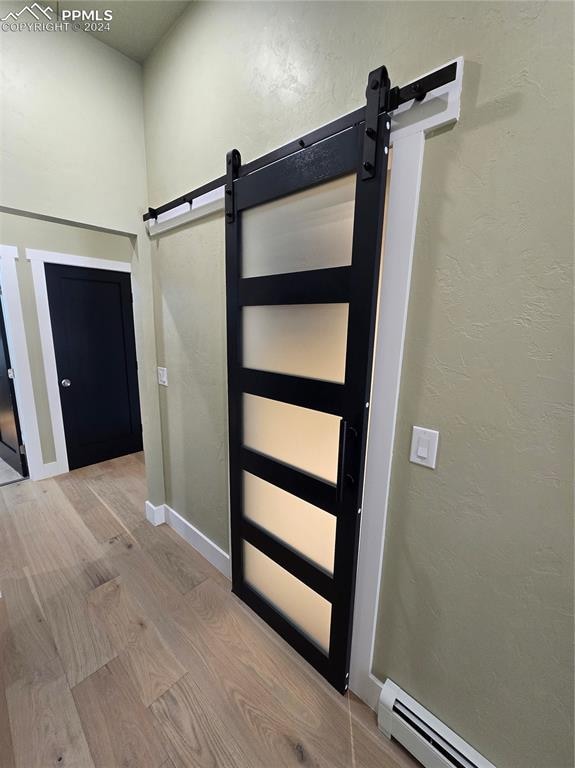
x: 303, y: 245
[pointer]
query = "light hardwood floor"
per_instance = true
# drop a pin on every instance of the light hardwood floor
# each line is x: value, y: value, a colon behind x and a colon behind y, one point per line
x: 121, y: 647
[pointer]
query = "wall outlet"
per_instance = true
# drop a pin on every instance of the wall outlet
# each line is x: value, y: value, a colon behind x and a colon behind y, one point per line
x: 424, y: 446
x: 163, y: 376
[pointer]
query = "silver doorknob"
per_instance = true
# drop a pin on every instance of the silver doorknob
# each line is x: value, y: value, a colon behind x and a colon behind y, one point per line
x: 65, y: 382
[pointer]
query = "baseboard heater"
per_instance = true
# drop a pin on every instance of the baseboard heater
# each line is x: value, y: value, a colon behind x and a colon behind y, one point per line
x: 428, y: 739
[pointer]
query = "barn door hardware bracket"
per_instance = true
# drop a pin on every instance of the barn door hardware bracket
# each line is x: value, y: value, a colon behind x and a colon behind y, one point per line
x: 377, y: 97
x: 152, y: 213
x: 418, y: 89
x: 233, y: 162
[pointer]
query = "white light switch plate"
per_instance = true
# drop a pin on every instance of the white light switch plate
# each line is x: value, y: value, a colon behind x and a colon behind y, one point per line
x: 163, y: 376
x: 424, y: 447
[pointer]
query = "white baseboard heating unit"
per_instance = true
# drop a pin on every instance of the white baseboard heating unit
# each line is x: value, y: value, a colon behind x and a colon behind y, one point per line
x: 430, y: 741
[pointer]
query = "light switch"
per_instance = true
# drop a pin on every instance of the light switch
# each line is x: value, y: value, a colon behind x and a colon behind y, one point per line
x: 163, y: 376
x: 424, y: 446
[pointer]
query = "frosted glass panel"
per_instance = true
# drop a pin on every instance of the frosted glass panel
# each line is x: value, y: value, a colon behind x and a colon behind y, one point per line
x: 306, y: 529
x: 312, y: 229
x: 303, y: 607
x: 306, y: 439
x: 302, y: 340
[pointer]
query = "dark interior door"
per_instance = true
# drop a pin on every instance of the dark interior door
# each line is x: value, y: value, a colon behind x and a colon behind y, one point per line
x: 303, y: 249
x: 11, y: 448
x: 94, y: 343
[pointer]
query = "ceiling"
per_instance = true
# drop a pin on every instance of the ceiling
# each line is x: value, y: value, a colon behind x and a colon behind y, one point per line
x: 137, y: 25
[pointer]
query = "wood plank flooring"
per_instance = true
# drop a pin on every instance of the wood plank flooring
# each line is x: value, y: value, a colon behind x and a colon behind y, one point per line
x: 121, y: 647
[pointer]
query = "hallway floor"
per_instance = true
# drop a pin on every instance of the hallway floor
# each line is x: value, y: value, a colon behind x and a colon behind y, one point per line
x: 7, y: 474
x: 121, y: 647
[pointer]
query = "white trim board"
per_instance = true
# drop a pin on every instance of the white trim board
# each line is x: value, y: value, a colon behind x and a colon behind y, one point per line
x: 410, y: 125
x: 19, y: 360
x: 37, y: 261
x: 393, y: 303
x: 70, y: 260
x: 156, y: 515
x: 176, y: 217
x: 163, y: 513
x: 50, y: 371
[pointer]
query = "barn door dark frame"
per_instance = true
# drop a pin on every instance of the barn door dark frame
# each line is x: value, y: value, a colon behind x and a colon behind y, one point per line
x: 361, y: 149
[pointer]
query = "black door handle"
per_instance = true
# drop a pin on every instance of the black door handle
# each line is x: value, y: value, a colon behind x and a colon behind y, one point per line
x: 342, y: 475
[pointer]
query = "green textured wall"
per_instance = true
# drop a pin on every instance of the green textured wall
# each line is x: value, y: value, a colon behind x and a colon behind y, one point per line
x: 191, y: 343
x: 70, y: 128
x: 476, y: 614
x: 476, y: 607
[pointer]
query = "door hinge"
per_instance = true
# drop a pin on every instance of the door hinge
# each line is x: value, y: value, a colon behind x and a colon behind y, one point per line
x: 377, y: 96
x: 10, y: 372
x: 23, y: 450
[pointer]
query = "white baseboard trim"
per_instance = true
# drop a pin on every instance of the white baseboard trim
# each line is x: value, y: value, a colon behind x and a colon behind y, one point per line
x: 199, y: 541
x: 367, y: 687
x: 51, y: 469
x: 155, y: 515
x: 206, y: 547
